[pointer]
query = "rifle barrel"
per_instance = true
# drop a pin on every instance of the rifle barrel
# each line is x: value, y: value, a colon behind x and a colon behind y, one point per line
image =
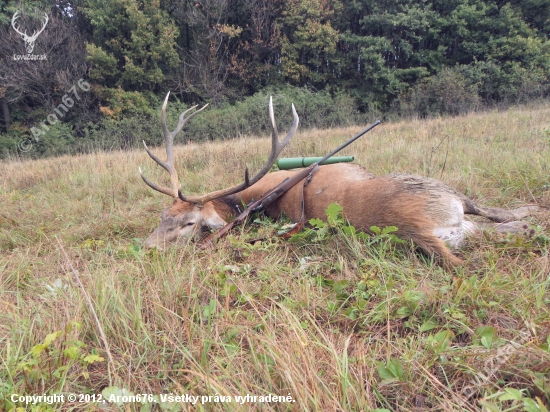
x: 353, y: 139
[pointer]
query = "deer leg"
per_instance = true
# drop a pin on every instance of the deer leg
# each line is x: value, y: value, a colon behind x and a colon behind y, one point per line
x: 518, y: 227
x: 497, y: 214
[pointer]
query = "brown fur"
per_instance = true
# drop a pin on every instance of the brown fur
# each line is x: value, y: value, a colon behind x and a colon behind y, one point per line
x: 366, y: 201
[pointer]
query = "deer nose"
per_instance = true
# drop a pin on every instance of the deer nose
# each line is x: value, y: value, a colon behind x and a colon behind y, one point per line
x: 154, y: 240
x: 150, y: 245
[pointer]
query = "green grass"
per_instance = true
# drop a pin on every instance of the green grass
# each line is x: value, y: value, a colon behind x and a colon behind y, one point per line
x: 336, y: 322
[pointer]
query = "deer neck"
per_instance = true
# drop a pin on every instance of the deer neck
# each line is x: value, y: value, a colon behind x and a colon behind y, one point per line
x: 228, y: 207
x: 233, y: 205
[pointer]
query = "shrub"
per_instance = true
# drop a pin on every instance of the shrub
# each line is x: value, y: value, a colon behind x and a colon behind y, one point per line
x: 124, y: 133
x: 19, y: 142
x: 511, y: 84
x: 247, y: 117
x: 250, y: 116
x: 447, y: 92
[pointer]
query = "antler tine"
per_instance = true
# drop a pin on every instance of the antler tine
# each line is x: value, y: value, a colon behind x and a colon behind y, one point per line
x: 276, y: 148
x: 168, y: 165
x: 36, y: 33
x: 13, y: 21
x: 275, y: 144
x: 154, y: 186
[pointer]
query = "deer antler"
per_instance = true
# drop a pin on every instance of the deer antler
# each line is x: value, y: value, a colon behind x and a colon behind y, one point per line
x: 13, y: 20
x: 36, y: 33
x: 168, y: 165
x: 26, y: 37
x: 276, y: 148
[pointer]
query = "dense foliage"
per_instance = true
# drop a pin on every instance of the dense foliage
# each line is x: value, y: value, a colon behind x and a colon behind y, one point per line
x: 421, y: 57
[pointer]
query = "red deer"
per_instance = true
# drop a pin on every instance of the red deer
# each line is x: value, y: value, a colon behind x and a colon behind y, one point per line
x: 425, y: 211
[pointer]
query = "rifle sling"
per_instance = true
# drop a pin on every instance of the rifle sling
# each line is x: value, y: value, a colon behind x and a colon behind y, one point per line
x: 300, y: 223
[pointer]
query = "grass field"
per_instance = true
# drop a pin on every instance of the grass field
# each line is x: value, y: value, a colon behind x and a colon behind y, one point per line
x: 328, y: 323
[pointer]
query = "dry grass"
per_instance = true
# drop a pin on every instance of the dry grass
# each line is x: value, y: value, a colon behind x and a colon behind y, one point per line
x: 335, y: 324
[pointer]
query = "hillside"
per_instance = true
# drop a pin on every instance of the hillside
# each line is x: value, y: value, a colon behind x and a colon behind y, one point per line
x: 93, y: 64
x: 337, y: 323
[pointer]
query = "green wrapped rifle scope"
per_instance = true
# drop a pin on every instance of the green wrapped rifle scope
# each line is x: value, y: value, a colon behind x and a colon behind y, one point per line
x: 297, y: 162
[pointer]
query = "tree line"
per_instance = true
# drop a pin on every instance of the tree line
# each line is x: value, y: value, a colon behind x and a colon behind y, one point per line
x: 342, y: 59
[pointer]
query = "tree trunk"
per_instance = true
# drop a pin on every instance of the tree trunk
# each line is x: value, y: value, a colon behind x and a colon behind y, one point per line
x: 6, y: 111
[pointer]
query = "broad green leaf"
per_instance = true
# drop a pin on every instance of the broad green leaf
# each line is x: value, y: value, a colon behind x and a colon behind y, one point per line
x: 429, y: 325
x: 333, y: 213
x: 51, y: 337
x: 490, y: 406
x: 318, y: 223
x: 340, y: 285
x: 487, y: 342
x: 389, y: 229
x: 375, y: 229
x: 392, y: 371
x: 403, y: 312
x: 93, y: 358
x: 114, y: 393
x: 38, y: 349
x: 529, y: 405
x: 72, y: 352
x: 488, y: 331
x: 511, y: 395
x: 395, y: 367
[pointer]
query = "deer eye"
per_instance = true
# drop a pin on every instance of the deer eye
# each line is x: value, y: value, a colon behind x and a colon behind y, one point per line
x: 190, y: 223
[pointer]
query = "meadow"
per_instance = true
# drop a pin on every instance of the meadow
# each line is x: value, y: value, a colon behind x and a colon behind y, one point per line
x: 328, y: 322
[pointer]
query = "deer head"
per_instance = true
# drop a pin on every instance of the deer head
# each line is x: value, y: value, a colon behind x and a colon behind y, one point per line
x: 29, y: 40
x: 190, y: 216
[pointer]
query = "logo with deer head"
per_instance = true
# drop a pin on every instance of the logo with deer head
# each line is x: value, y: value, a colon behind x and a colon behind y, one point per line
x: 29, y: 40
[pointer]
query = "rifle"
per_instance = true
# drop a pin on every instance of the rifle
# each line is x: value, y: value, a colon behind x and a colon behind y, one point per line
x: 271, y: 195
